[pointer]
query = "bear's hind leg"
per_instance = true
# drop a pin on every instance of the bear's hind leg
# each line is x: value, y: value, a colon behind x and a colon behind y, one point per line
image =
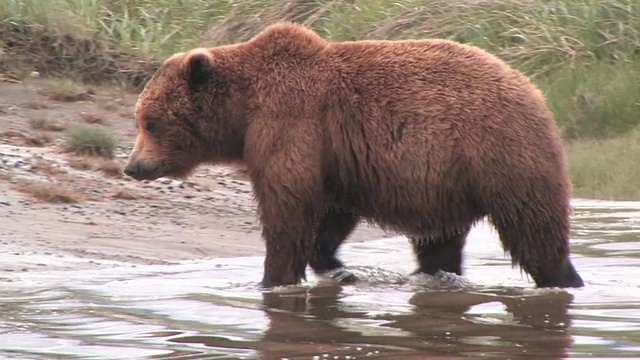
x: 334, y: 228
x: 536, y: 235
x: 442, y: 252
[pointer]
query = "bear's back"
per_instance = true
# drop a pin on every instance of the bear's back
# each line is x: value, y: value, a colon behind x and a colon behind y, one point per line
x: 408, y: 123
x: 432, y: 112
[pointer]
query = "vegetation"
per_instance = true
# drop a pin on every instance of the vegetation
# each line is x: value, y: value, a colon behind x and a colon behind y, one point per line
x: 48, y: 124
x: 126, y: 194
x: 607, y: 168
x: 47, y: 167
x: 584, y: 54
x: 92, y: 140
x: 49, y: 192
x: 65, y: 89
x: 108, y: 167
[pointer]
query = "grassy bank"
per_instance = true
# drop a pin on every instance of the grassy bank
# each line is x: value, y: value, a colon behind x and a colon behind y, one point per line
x: 585, y: 55
x: 606, y: 168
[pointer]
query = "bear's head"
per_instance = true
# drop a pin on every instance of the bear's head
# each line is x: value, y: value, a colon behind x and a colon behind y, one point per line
x: 183, y: 117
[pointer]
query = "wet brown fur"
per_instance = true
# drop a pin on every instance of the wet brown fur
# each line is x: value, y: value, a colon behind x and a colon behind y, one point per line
x: 424, y: 137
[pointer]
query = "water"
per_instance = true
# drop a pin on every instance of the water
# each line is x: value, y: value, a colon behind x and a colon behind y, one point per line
x: 214, y: 310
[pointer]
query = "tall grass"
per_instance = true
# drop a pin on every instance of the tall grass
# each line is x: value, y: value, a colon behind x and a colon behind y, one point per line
x: 153, y: 28
x: 584, y: 54
x: 594, y: 100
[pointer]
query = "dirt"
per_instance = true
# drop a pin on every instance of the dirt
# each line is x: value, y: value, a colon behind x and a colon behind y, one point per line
x: 56, y: 205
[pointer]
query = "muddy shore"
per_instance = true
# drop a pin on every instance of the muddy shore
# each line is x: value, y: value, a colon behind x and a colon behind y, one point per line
x: 107, y: 218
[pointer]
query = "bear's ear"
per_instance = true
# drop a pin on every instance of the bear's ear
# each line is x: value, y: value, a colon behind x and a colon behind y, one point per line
x: 199, y: 68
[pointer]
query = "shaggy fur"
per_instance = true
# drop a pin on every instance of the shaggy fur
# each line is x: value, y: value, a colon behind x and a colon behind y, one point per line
x: 423, y: 137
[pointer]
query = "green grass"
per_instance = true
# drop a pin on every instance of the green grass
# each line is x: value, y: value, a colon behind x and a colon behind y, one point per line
x: 92, y: 140
x: 595, y: 100
x: 150, y: 27
x: 584, y: 54
x: 606, y: 169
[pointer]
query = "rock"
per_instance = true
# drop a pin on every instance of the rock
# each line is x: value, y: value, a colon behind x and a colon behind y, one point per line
x: 518, y: 39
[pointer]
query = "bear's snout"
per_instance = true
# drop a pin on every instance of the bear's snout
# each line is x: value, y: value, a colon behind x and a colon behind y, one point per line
x: 142, y: 171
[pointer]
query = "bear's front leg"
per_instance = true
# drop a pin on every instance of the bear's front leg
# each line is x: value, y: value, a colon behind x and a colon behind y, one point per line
x: 287, y: 176
x: 289, y: 204
x: 289, y: 244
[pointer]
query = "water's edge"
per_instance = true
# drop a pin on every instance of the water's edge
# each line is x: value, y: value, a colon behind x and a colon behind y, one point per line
x: 213, y: 308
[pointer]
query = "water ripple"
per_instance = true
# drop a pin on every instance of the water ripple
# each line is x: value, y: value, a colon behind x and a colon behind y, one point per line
x: 214, y: 309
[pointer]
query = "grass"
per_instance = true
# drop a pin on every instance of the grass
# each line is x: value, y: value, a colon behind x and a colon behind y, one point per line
x: 126, y: 194
x: 81, y: 163
x: 109, y: 105
x: 606, y: 169
x: 597, y: 100
x: 49, y: 192
x: 36, y: 105
x: 146, y: 26
x: 90, y: 118
x: 47, y: 167
x: 108, y: 167
x: 92, y: 140
x: 65, y: 89
x: 583, y: 54
x: 20, y: 138
x: 48, y: 124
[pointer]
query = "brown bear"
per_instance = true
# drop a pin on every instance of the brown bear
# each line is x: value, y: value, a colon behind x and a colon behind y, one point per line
x: 423, y: 137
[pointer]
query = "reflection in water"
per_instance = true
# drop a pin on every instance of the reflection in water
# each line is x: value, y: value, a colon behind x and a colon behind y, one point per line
x: 214, y: 309
x: 439, y: 324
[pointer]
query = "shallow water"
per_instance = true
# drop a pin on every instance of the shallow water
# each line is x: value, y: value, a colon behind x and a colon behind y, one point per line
x: 213, y: 310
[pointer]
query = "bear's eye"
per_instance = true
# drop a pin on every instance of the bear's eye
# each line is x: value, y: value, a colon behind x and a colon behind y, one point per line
x: 151, y: 126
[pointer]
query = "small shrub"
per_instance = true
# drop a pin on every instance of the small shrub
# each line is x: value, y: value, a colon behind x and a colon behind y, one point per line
x: 64, y: 89
x: 93, y: 119
x: 92, y: 140
x: 48, y: 124
x: 36, y: 105
x: 46, y: 167
x: 110, y: 168
x: 49, y: 192
x: 81, y: 163
x: 42, y: 139
x: 24, y: 139
x: 109, y: 105
x: 129, y: 195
